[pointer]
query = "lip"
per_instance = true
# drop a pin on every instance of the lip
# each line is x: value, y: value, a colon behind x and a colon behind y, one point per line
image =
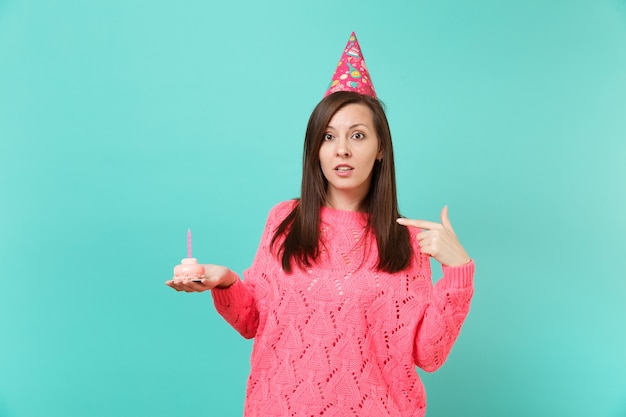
x: 346, y: 173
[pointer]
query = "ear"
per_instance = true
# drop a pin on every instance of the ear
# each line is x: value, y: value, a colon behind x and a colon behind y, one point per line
x: 379, y: 155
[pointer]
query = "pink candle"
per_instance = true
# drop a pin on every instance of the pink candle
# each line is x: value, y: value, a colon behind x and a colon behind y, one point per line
x: 188, y: 243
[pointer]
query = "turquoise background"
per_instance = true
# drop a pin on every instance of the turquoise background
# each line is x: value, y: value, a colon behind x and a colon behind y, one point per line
x: 123, y: 123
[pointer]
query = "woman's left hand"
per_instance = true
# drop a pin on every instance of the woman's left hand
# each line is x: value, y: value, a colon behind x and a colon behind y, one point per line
x: 439, y: 240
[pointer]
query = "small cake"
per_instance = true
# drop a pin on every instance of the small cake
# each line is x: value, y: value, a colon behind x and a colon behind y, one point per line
x: 188, y: 270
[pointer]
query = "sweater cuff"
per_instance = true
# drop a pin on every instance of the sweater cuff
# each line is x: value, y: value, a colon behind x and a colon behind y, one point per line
x: 461, y: 276
x: 235, y: 291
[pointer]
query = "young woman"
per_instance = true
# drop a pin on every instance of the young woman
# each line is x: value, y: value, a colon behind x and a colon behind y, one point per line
x: 339, y: 298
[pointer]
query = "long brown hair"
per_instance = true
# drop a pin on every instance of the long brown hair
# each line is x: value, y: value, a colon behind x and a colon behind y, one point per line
x: 301, y: 227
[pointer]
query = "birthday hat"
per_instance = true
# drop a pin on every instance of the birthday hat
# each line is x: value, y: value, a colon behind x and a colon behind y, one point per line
x: 351, y: 73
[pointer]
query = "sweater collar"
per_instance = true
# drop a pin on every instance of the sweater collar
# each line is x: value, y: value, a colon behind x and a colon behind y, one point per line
x: 333, y: 216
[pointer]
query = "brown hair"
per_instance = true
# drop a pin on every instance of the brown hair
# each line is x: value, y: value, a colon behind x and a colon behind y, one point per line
x: 302, y: 226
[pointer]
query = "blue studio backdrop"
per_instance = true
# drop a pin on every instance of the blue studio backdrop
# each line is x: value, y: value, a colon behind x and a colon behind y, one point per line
x: 124, y: 123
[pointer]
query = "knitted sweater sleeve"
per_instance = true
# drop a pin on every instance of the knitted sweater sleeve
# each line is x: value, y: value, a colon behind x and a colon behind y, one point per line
x: 441, y: 323
x: 238, y: 307
x: 238, y: 304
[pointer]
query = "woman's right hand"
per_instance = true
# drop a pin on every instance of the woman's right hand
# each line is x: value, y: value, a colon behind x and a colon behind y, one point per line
x: 215, y: 276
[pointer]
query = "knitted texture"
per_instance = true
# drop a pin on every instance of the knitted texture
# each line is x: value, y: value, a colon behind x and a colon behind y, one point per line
x: 341, y: 338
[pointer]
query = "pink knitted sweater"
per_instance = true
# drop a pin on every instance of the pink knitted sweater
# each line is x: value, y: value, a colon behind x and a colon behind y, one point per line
x: 341, y: 338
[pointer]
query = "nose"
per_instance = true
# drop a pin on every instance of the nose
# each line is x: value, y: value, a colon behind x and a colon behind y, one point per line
x: 343, y: 148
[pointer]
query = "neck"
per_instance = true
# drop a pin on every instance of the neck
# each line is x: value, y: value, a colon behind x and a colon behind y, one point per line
x: 344, y: 202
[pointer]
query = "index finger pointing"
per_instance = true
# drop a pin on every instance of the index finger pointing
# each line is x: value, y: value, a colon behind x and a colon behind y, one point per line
x: 422, y: 224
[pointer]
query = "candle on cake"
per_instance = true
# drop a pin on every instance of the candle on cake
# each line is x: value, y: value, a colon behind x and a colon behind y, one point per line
x: 189, y: 269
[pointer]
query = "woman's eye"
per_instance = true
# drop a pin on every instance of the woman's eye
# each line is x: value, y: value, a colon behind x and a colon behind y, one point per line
x: 358, y: 136
x: 328, y: 136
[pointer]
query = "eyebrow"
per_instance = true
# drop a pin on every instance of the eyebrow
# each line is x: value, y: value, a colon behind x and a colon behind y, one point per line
x: 351, y: 127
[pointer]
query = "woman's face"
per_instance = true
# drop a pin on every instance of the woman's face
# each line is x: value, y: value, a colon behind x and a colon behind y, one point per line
x: 349, y: 150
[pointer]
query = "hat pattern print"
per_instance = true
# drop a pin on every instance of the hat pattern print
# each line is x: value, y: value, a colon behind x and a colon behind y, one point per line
x: 351, y: 73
